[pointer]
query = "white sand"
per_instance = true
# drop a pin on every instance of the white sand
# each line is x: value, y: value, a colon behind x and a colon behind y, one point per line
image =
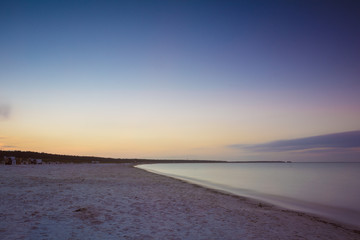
x: 117, y: 201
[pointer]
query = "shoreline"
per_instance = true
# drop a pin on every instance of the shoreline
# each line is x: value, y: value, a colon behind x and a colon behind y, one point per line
x: 260, y: 200
x: 118, y: 201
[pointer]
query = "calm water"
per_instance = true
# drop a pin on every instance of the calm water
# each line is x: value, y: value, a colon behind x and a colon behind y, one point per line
x: 331, y: 190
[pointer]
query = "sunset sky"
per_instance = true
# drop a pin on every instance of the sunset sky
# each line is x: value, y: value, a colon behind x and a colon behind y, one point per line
x: 227, y: 80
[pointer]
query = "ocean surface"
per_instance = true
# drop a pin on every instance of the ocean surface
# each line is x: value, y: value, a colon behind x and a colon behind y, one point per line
x: 330, y: 190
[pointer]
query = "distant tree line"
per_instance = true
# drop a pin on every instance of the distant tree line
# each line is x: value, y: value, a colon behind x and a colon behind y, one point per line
x: 49, y: 157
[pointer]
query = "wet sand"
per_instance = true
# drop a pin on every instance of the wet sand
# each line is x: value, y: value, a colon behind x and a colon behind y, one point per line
x: 117, y: 201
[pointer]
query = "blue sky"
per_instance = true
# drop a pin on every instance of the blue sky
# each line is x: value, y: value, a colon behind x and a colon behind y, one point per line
x: 176, y: 79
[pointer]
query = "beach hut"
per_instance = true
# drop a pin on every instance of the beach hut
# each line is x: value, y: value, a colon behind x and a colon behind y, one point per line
x: 10, y: 160
x: 32, y: 160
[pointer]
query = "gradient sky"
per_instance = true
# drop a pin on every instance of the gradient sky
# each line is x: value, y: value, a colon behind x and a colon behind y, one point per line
x: 179, y: 79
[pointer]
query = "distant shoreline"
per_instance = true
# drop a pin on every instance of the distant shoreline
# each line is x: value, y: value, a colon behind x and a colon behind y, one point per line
x: 59, y: 158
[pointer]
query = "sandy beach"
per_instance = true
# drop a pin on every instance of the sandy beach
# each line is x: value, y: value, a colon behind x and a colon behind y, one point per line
x: 117, y: 201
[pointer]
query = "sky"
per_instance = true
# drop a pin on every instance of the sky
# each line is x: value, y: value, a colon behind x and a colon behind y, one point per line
x: 217, y: 80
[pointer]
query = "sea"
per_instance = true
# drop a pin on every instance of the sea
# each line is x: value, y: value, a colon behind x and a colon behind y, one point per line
x: 330, y: 190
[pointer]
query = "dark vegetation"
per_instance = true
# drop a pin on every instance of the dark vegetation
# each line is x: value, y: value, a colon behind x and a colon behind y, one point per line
x: 48, y: 157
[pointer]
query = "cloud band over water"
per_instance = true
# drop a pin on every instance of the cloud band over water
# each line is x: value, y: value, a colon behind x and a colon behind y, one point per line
x: 344, y: 140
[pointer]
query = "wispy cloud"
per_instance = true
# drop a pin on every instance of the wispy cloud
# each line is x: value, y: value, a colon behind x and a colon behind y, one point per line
x: 344, y: 140
x: 5, y: 110
x: 9, y: 146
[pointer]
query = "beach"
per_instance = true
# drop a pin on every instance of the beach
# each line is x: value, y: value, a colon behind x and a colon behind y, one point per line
x: 118, y: 201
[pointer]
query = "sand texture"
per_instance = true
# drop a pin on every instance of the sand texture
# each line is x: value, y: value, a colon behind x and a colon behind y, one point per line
x: 117, y: 201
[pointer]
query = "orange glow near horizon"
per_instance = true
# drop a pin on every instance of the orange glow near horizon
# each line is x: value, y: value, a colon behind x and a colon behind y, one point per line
x: 189, y: 130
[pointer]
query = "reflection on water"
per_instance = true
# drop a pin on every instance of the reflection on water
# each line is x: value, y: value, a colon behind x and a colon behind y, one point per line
x: 327, y: 189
